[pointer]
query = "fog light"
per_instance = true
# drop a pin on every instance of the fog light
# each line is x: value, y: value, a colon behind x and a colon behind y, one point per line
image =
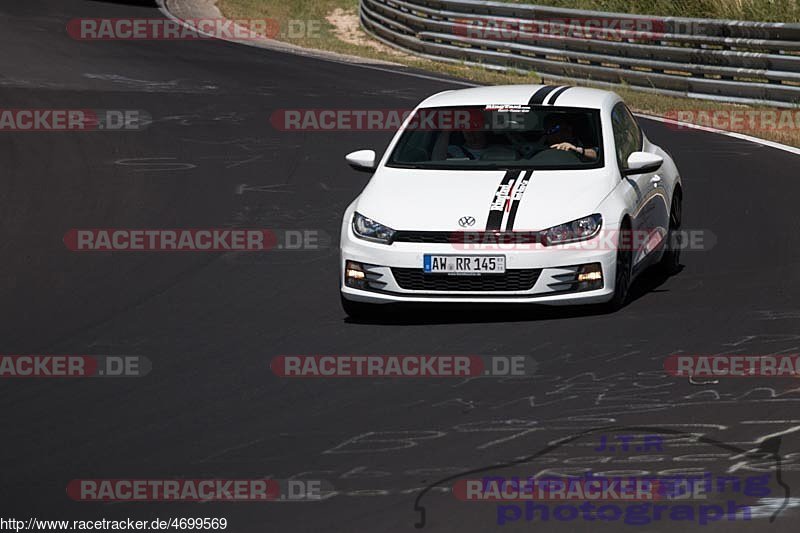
x: 354, y: 275
x: 590, y: 277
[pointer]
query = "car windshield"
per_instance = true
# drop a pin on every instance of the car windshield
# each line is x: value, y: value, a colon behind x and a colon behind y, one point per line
x: 500, y: 137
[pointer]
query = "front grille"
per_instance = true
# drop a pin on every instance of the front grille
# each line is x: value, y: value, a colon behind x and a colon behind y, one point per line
x: 414, y: 279
x: 468, y: 237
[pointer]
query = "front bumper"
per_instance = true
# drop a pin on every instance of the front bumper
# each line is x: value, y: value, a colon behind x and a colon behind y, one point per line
x: 547, y: 271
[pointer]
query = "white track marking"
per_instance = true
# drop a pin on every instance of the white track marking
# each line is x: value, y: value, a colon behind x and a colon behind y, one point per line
x: 741, y: 136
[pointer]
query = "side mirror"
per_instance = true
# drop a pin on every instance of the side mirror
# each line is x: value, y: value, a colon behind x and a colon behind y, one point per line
x: 642, y: 163
x: 362, y: 160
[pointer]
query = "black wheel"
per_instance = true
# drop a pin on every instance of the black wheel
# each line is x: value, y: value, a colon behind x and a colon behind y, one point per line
x: 358, y: 310
x: 671, y: 260
x: 622, y: 279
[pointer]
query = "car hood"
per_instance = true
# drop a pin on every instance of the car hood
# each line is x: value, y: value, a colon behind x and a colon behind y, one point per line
x: 435, y: 200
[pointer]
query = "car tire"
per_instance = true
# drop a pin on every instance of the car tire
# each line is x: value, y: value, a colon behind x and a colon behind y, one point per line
x: 358, y: 310
x: 671, y: 260
x: 623, y: 272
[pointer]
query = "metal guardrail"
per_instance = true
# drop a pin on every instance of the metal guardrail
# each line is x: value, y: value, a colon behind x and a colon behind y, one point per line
x: 747, y: 62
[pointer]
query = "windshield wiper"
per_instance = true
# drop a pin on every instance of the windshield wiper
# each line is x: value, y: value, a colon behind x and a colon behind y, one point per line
x: 405, y: 165
x: 434, y: 166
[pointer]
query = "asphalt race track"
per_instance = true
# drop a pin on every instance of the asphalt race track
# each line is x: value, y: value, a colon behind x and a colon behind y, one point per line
x: 210, y: 323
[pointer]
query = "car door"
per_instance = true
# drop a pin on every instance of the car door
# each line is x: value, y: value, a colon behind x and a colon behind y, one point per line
x: 628, y: 138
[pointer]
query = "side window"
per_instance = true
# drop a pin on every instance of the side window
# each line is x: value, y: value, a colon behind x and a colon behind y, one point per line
x: 627, y: 135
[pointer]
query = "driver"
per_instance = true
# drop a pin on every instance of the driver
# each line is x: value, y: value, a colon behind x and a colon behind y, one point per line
x: 559, y: 134
x: 475, y: 144
x: 476, y: 141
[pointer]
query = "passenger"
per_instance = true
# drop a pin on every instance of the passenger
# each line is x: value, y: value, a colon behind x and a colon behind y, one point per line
x: 559, y: 134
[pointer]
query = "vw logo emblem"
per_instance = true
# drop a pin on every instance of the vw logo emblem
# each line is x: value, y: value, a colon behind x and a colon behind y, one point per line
x: 466, y: 222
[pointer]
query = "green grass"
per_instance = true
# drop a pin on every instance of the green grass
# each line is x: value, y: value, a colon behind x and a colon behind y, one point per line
x: 758, y: 10
x: 317, y: 10
x: 299, y: 10
x: 326, y: 39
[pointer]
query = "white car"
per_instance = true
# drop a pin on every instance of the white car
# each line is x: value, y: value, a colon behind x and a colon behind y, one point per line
x: 510, y: 194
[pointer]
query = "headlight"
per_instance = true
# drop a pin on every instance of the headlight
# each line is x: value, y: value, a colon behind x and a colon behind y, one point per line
x: 369, y: 230
x: 578, y: 230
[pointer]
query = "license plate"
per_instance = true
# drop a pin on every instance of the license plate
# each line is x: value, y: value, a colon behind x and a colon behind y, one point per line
x: 464, y: 264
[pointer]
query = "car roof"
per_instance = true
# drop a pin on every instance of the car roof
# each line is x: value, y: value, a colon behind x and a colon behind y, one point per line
x: 523, y: 95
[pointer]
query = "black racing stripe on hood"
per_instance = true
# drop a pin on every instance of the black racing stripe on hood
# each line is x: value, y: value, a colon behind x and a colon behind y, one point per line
x: 539, y: 96
x: 557, y: 94
x: 495, y: 219
x: 517, y: 199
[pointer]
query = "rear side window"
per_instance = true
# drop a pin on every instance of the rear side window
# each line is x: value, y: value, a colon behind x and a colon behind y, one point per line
x: 627, y: 135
